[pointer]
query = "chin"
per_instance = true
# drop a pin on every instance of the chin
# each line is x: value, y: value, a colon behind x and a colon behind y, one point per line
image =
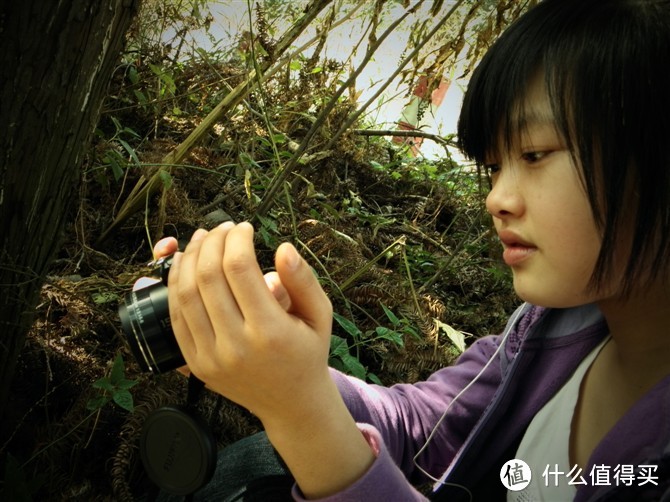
x: 547, y: 297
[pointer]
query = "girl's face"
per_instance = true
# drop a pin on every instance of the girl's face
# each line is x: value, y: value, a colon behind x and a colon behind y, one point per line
x: 542, y: 214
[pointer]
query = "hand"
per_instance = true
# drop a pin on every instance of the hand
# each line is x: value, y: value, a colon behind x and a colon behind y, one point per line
x: 243, y: 343
x: 234, y: 334
x: 168, y: 245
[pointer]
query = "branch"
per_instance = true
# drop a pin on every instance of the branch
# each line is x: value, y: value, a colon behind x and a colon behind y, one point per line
x: 153, y: 179
x: 289, y: 168
x: 405, y: 134
x: 351, y: 119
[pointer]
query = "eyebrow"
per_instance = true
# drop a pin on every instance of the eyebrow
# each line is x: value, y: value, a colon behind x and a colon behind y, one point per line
x: 522, y: 121
x: 533, y: 117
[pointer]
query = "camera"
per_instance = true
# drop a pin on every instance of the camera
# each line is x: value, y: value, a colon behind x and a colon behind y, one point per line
x: 145, y: 319
x: 177, y: 447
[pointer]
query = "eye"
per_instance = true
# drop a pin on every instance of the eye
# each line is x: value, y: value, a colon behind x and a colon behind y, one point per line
x: 491, y: 168
x: 533, y: 157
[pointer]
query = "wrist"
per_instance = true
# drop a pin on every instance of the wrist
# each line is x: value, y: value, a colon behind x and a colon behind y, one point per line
x: 322, y: 445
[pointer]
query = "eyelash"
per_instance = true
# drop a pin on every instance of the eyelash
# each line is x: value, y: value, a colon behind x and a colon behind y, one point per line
x: 491, y: 169
x: 529, y: 157
x: 532, y: 157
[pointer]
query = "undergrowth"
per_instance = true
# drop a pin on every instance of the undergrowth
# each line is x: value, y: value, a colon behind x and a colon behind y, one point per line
x: 402, y: 246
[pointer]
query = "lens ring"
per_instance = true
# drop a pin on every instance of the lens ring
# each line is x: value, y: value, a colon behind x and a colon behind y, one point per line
x: 145, y: 318
x: 135, y: 316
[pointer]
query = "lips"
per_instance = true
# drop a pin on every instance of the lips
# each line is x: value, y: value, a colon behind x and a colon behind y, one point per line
x: 515, y: 248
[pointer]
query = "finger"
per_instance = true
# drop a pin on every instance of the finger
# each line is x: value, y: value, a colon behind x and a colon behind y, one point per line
x: 245, y: 278
x: 165, y: 247
x: 308, y: 299
x: 278, y: 290
x: 214, y: 289
x: 193, y: 327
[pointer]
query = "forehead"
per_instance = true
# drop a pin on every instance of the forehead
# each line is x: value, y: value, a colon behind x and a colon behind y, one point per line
x: 531, y: 111
x: 534, y: 106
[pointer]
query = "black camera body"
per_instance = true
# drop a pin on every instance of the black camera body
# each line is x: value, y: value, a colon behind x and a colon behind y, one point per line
x: 177, y: 447
x: 145, y: 318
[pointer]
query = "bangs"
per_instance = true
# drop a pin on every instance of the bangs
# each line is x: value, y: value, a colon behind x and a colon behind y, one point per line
x: 493, y: 110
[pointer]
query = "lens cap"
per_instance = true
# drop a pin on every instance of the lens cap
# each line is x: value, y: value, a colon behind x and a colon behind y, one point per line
x: 178, y: 450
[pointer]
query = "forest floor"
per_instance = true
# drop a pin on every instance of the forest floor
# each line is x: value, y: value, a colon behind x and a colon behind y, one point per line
x: 401, y: 245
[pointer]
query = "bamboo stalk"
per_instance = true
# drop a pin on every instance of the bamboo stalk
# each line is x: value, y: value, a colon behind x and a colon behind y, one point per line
x: 151, y: 181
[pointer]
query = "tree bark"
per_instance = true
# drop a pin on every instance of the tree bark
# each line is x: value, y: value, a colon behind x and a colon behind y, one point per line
x: 56, y: 59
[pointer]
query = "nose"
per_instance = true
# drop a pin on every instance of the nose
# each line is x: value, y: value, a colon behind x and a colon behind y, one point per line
x: 505, y: 199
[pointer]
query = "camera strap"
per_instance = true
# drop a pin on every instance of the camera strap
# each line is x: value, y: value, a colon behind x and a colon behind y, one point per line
x: 178, y: 447
x: 195, y: 386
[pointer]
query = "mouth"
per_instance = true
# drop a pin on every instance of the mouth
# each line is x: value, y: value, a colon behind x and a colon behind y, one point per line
x: 515, y: 248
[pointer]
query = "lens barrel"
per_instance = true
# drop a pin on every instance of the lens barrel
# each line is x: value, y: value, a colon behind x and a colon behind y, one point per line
x: 145, y: 318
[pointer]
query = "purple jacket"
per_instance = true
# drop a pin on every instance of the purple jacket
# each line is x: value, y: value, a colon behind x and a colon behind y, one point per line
x: 482, y: 429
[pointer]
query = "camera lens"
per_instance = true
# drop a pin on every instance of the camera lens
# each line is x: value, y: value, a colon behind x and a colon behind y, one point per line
x: 145, y: 318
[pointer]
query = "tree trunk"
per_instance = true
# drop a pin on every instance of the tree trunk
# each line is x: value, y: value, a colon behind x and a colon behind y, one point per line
x: 56, y: 61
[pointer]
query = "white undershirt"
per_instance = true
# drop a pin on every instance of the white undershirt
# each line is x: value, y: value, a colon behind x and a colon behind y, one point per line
x: 546, y: 443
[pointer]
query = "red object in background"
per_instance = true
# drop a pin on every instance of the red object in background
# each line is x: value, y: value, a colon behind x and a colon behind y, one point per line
x: 421, y: 103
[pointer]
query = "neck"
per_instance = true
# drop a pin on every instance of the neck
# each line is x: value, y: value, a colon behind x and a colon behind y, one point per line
x: 639, y: 326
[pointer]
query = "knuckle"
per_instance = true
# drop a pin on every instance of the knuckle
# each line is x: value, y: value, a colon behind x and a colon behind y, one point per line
x: 236, y: 264
x: 207, y: 274
x: 186, y: 294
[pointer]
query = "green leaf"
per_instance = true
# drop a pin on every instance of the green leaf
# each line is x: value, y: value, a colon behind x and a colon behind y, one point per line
x: 104, y: 297
x: 347, y: 325
x: 267, y: 239
x: 391, y: 316
x: 165, y: 177
x: 124, y: 399
x: 390, y: 334
x: 353, y: 366
x: 130, y: 151
x: 279, y: 138
x: 117, y: 170
x: 141, y: 98
x: 132, y: 75
x: 268, y: 223
x: 374, y: 379
x: 295, y: 65
x: 118, y: 370
x: 126, y: 384
x: 104, y: 383
x: 338, y: 346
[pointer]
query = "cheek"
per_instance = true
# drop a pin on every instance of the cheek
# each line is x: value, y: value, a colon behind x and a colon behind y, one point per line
x: 581, y: 242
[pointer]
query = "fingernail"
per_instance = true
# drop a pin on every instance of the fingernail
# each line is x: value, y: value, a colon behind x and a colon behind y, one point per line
x: 160, y: 246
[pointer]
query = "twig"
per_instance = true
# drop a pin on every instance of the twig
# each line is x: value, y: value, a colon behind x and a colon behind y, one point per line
x: 288, y: 169
x: 151, y: 180
x: 405, y: 134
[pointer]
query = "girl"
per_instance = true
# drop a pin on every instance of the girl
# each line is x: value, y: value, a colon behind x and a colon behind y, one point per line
x: 569, y: 113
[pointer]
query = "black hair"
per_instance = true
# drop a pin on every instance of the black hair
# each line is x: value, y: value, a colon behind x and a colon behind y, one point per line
x: 604, y: 68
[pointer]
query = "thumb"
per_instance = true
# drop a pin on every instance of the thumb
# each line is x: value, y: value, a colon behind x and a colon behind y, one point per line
x: 165, y: 247
x: 308, y: 300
